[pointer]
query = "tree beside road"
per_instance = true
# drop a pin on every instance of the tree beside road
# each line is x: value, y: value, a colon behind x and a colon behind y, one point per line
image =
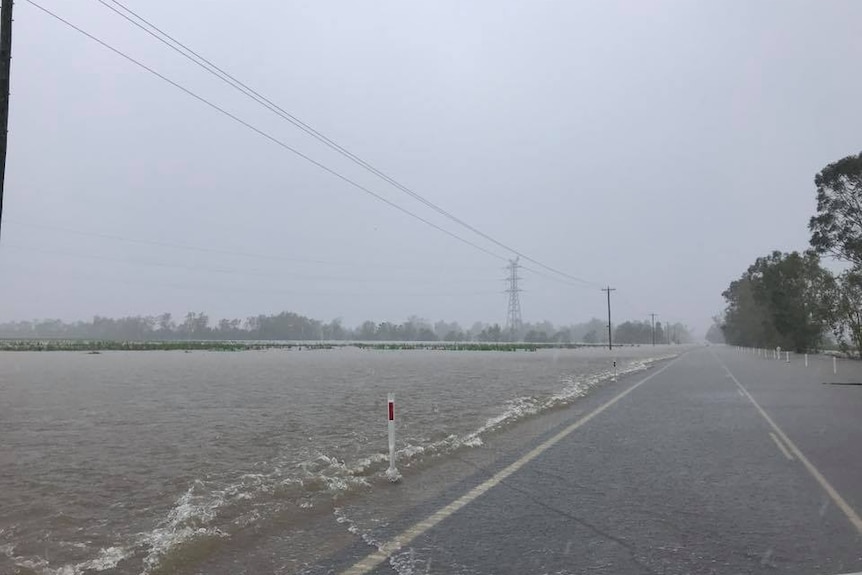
x: 790, y: 299
x: 781, y: 300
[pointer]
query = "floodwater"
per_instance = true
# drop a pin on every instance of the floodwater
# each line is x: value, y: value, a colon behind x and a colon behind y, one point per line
x: 148, y: 462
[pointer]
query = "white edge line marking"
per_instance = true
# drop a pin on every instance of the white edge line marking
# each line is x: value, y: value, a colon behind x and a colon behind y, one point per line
x: 373, y: 560
x: 851, y: 514
x: 780, y: 446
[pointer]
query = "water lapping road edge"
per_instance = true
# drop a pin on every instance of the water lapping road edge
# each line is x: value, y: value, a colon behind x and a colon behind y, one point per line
x: 198, y: 513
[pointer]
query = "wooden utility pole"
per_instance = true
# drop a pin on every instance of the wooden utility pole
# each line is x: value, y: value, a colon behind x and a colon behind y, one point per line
x: 5, y: 69
x: 609, y: 289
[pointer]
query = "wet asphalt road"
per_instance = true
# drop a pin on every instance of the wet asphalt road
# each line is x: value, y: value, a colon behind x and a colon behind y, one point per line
x: 682, y: 475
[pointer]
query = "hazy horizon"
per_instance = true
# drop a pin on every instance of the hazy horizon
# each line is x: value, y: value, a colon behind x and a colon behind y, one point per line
x: 657, y: 147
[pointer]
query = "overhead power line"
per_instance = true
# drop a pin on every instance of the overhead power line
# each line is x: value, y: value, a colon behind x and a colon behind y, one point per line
x: 635, y: 310
x: 245, y: 254
x: 232, y: 81
x: 550, y: 277
x: 208, y: 287
x: 172, y: 245
x: 206, y: 249
x: 287, y: 273
x: 264, y: 134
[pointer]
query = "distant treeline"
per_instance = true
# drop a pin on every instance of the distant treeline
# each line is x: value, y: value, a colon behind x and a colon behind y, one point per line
x: 289, y: 326
x: 789, y: 299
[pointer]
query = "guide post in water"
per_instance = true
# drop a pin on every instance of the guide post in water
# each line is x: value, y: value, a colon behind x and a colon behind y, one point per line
x: 392, y: 473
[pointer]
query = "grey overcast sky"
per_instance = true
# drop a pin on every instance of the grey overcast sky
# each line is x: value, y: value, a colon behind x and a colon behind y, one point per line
x: 658, y: 147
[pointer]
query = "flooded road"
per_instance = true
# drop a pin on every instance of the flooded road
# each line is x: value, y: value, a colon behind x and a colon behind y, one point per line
x: 139, y: 462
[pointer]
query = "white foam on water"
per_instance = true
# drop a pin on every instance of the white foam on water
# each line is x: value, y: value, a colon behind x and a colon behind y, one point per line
x: 474, y: 441
x: 406, y: 563
x: 336, y: 476
x: 187, y: 520
x: 362, y: 466
x: 403, y: 562
x: 247, y: 519
x: 337, y: 485
x: 343, y: 519
x: 411, y: 451
x: 195, y: 513
x: 37, y: 564
x: 516, y: 408
x: 107, y: 559
x: 520, y: 408
x: 579, y: 387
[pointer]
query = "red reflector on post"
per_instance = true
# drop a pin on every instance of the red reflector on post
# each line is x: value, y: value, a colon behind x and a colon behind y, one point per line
x: 391, y: 411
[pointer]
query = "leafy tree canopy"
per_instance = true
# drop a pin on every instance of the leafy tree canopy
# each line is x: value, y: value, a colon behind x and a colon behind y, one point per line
x: 836, y: 229
x: 782, y: 300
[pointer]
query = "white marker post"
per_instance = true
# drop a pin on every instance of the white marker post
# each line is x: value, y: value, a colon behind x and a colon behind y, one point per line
x: 787, y: 356
x: 834, y: 365
x: 392, y: 473
x: 615, y: 371
x: 806, y: 360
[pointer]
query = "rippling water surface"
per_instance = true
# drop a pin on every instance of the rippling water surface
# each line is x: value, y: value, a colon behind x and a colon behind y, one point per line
x: 136, y: 462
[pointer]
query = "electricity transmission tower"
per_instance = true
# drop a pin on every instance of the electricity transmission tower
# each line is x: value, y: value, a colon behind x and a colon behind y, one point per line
x: 513, y: 319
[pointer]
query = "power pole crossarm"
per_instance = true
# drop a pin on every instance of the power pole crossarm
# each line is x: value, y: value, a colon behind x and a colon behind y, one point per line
x: 5, y: 75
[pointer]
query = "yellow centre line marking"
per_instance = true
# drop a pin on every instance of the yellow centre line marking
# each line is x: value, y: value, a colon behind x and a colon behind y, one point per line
x: 780, y: 446
x: 836, y: 498
x: 372, y: 561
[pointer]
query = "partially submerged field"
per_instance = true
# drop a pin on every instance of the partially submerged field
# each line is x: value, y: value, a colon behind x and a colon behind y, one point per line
x: 214, y: 345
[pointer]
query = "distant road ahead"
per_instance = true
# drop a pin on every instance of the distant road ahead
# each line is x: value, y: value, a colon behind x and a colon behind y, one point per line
x: 721, y: 462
